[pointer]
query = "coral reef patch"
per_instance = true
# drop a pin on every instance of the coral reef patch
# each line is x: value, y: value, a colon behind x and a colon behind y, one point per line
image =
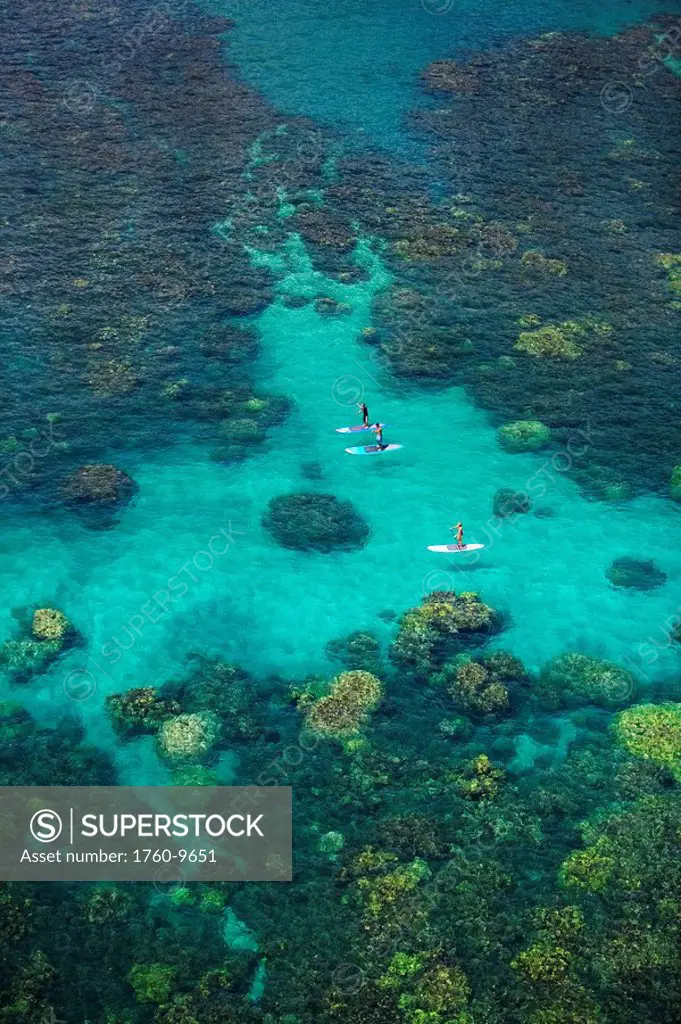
x: 315, y: 522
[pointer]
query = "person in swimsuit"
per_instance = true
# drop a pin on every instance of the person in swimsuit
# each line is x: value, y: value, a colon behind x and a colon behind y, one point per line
x: 365, y: 413
x: 459, y: 534
x: 378, y: 431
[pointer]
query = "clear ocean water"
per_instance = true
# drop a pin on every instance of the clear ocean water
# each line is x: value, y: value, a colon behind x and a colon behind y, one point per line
x: 362, y: 72
x: 275, y: 609
x: 353, y: 69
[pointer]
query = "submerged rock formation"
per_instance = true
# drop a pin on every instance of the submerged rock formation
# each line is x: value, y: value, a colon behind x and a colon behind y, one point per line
x: 315, y: 522
x: 99, y: 485
x: 635, y: 573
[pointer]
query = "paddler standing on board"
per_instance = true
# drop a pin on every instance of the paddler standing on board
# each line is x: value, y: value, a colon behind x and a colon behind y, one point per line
x: 378, y: 431
x: 362, y: 406
x: 458, y: 529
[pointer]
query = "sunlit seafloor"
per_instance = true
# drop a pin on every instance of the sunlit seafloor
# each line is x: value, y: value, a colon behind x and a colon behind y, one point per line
x: 221, y: 241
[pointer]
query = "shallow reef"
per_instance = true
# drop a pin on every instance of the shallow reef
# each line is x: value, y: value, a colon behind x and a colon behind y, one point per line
x: 652, y: 731
x: 217, y: 686
x: 140, y: 710
x: 315, y: 522
x: 482, y: 686
x: 635, y: 573
x: 350, y: 699
x: 444, y: 623
x: 114, y: 240
x: 524, y: 436
x: 33, y: 755
x: 96, y: 484
x: 97, y: 493
x: 475, y: 842
x: 507, y: 503
x: 358, y: 650
x: 561, y: 341
x: 439, y: 869
x: 44, y: 634
x: 228, y: 342
x: 191, y: 717
x: 574, y: 678
x: 188, y: 737
x: 244, y: 418
x: 501, y: 268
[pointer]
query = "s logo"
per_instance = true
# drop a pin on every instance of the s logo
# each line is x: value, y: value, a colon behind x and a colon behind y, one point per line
x: 46, y: 826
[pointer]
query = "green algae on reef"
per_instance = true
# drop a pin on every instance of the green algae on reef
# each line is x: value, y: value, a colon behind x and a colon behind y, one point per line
x: 44, y: 634
x: 419, y: 861
x: 524, y: 436
x: 476, y: 843
x: 530, y: 182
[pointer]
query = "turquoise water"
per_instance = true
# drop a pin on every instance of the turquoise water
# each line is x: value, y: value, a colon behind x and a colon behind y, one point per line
x: 273, y: 609
x: 415, y: 779
x: 361, y: 73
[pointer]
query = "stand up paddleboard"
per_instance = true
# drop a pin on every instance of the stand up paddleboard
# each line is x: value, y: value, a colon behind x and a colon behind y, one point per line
x: 358, y: 430
x: 449, y: 548
x: 372, y: 449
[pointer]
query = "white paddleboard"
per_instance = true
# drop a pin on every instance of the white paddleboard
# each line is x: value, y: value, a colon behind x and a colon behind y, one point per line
x: 450, y: 548
x: 358, y: 430
x: 372, y: 449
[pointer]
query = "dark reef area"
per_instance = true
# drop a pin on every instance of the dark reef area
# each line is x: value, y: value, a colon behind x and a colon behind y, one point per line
x: 545, y: 278
x: 475, y: 844
x: 442, y: 874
